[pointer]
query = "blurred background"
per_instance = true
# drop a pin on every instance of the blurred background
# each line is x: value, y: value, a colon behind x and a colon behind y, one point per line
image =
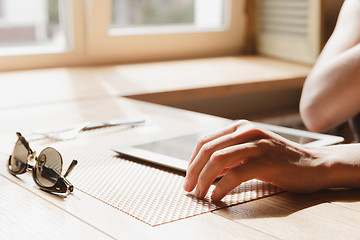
x: 127, y: 31
x: 199, y: 45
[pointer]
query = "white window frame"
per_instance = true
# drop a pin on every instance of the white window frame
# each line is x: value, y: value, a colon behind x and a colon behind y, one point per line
x: 29, y: 59
x: 1, y: 7
x: 161, y: 46
x: 90, y: 42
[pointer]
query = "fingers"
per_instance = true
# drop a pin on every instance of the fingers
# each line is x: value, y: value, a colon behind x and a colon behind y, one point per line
x: 202, y: 158
x: 238, y: 133
x: 240, y: 152
x: 234, y: 178
x: 224, y: 159
x: 210, y: 137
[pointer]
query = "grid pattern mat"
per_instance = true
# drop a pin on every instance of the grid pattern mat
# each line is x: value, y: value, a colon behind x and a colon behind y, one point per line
x: 151, y: 194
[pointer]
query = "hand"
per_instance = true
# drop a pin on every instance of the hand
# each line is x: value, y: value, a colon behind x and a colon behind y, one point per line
x: 243, y: 151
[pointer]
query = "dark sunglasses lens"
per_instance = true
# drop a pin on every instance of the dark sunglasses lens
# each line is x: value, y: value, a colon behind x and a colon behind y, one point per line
x: 48, y: 167
x: 18, y: 161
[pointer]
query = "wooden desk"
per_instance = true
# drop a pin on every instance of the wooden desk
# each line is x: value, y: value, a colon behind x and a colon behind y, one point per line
x: 60, y: 98
x: 25, y: 211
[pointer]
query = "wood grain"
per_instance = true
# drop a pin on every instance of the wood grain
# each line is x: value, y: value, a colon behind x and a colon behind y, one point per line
x: 289, y: 216
x: 114, y: 223
x: 62, y: 98
x: 23, y: 215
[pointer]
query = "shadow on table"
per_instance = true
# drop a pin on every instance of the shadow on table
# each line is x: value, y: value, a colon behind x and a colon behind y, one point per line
x: 285, y: 204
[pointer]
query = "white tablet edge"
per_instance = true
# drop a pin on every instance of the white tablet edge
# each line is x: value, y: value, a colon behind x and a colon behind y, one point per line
x: 178, y: 164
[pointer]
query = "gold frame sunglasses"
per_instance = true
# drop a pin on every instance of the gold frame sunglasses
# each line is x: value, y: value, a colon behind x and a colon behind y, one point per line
x: 46, y: 168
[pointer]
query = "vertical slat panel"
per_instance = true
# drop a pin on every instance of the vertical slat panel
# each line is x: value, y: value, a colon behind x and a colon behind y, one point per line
x: 284, y: 17
x: 289, y: 29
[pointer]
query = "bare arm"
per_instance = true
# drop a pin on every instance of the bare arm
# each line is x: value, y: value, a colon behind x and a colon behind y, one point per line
x: 331, y: 94
x: 242, y: 151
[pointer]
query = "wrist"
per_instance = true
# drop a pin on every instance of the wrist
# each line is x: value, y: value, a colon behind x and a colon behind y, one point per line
x: 342, y: 168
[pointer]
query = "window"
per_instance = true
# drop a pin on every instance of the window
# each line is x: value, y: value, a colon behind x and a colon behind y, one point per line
x: 127, y: 13
x: 51, y: 34
x: 164, y: 16
x: 32, y: 26
x: 47, y: 33
x: 194, y: 35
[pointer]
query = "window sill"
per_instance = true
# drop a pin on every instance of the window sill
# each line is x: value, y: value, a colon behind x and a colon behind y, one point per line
x: 182, y: 84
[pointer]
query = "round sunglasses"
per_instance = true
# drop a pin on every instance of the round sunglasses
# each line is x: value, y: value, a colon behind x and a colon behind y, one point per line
x: 46, y: 168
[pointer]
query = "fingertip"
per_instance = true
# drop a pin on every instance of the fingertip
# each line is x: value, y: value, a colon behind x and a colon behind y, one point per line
x: 198, y: 193
x: 186, y: 185
x: 216, y: 196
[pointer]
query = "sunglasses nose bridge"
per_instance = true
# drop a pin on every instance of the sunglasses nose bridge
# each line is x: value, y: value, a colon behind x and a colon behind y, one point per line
x: 32, y: 158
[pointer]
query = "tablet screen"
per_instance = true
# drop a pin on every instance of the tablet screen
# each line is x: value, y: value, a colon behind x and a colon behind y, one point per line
x: 176, y: 152
x: 182, y: 147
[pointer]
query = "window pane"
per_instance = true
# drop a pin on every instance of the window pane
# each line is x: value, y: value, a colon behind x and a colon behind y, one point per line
x: 140, y: 14
x: 25, y: 24
x: 154, y: 12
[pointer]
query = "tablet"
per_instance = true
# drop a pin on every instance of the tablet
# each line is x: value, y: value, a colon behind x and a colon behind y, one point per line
x: 176, y: 152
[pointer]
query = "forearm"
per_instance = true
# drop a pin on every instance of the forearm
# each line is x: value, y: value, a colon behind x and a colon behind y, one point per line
x: 331, y: 92
x: 341, y: 166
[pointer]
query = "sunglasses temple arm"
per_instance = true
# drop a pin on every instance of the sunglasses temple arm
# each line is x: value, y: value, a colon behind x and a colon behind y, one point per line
x: 72, y: 165
x: 24, y: 142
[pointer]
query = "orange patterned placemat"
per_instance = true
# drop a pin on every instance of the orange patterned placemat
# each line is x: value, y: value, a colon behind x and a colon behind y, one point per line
x: 149, y: 193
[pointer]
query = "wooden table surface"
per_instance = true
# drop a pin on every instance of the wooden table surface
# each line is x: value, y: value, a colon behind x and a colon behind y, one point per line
x: 29, y: 213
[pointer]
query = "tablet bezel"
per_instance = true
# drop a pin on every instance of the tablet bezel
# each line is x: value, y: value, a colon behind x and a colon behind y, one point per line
x: 181, y: 165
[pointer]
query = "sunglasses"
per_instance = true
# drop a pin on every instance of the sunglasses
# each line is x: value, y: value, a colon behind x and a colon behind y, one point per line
x: 46, y: 168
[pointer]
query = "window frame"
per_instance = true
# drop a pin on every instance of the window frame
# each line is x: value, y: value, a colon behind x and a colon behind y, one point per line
x: 90, y: 42
x: 164, y: 46
x: 1, y: 8
x: 42, y: 58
